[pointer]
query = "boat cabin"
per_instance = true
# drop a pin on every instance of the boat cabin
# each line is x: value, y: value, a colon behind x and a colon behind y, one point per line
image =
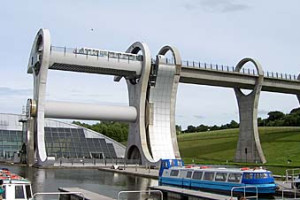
x: 15, y: 187
x: 219, y: 178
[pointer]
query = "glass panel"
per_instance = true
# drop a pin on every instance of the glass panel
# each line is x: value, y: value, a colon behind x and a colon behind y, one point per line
x: 197, y: 175
x: 208, y: 176
x: 221, y: 176
x: 28, y: 191
x: 174, y: 173
x: 248, y: 175
x: 189, y: 174
x: 234, y: 177
x: 4, y: 193
x: 19, y: 192
x: 260, y: 175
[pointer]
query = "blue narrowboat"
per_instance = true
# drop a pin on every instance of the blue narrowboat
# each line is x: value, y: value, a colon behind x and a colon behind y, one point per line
x: 257, y: 180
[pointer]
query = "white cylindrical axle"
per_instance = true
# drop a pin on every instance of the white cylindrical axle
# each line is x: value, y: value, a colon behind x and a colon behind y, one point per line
x: 69, y: 110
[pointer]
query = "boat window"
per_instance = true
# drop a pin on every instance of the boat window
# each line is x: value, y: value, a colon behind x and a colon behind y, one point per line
x: 28, y: 191
x: 197, y: 175
x: 4, y: 193
x: 234, y: 177
x: 221, y: 176
x: 19, y: 192
x: 180, y: 163
x: 189, y: 174
x: 248, y: 175
x: 260, y: 175
x: 209, y: 176
x: 174, y: 173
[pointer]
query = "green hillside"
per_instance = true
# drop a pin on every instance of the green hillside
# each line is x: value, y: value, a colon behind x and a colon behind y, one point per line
x: 279, y: 144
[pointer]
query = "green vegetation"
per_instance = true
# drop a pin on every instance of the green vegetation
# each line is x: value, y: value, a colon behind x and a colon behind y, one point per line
x: 115, y: 130
x: 281, y: 146
x: 275, y: 118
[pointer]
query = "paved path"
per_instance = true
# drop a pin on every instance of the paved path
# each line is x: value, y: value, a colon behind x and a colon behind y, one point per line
x: 137, y: 171
x: 192, y: 193
x: 88, y: 195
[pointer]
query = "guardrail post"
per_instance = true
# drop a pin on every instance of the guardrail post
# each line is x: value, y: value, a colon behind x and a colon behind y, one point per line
x: 136, y: 167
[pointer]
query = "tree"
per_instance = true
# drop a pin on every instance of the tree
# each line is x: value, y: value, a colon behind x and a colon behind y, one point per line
x: 191, y: 129
x: 275, y: 115
x: 233, y: 124
x: 178, y: 129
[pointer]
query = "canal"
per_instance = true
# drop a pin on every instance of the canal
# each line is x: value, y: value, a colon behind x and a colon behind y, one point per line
x: 105, y: 183
x: 101, y: 182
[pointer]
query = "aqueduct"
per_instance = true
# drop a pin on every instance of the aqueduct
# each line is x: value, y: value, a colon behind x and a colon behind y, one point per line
x: 152, y: 88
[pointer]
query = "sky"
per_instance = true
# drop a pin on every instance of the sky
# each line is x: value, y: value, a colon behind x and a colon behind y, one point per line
x: 212, y: 31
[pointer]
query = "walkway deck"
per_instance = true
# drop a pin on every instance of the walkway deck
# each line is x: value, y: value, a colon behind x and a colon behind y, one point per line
x: 192, y: 193
x: 88, y: 195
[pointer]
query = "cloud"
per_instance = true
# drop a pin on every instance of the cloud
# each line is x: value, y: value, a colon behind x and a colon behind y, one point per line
x: 198, y: 116
x: 5, y: 91
x: 263, y: 112
x: 222, y: 6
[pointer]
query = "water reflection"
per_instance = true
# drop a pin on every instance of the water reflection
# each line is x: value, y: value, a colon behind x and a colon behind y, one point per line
x: 105, y: 183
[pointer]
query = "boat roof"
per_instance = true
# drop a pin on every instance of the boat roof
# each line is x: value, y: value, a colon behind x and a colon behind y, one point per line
x: 223, y: 169
x: 11, y: 178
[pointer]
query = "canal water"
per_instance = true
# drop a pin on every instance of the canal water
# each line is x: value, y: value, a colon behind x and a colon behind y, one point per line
x: 101, y: 182
x: 105, y: 183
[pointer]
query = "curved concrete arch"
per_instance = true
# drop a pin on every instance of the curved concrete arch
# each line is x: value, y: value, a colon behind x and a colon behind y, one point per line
x: 249, y: 148
x: 175, y: 53
x: 178, y: 65
x: 137, y: 93
x: 134, y: 153
x: 259, y: 70
x: 38, y: 65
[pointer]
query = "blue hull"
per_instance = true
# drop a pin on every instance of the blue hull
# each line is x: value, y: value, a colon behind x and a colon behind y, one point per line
x: 219, y: 186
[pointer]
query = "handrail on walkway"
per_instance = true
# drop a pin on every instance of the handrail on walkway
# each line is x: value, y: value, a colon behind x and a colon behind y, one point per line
x: 57, y: 193
x: 244, y: 187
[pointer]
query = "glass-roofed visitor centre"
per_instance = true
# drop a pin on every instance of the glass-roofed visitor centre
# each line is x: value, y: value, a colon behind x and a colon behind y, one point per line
x: 64, y: 141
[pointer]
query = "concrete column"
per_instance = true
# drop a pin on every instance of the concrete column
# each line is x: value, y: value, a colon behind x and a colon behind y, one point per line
x: 137, y: 145
x: 162, y: 98
x: 30, y: 142
x: 38, y: 66
x: 249, y: 147
x: 153, y: 136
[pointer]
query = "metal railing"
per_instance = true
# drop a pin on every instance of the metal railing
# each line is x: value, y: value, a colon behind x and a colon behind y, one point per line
x: 95, y: 162
x: 97, y: 53
x: 244, y: 191
x: 291, y: 174
x: 141, y: 192
x: 294, y: 191
x: 192, y: 64
x: 56, y: 193
x: 231, y: 69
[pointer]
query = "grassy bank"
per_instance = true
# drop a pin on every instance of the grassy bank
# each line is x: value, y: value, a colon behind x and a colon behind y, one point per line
x: 281, y: 146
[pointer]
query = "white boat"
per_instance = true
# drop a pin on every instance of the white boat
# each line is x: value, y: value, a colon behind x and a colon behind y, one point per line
x: 15, y: 187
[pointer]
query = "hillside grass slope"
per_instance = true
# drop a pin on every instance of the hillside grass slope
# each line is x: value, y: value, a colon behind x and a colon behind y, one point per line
x: 281, y: 146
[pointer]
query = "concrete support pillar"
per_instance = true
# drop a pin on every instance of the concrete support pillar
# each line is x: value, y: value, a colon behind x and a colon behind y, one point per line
x: 30, y: 142
x: 153, y: 135
x: 38, y: 66
x: 249, y: 147
x: 137, y: 145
